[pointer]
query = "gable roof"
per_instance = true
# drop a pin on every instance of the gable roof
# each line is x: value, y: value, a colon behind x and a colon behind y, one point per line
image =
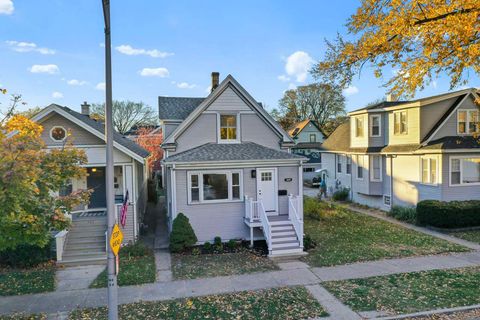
x: 229, y: 81
x: 97, y: 128
x: 213, y: 152
x: 299, y: 126
x: 177, y: 108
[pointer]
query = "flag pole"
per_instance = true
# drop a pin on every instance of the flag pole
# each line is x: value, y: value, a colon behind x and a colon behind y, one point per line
x: 112, y: 277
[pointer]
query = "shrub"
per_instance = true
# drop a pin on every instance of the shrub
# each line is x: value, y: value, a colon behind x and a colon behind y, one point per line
x: 341, y: 195
x: 196, y: 251
x: 313, y: 208
x: 408, y: 214
x: 182, y: 235
x: 137, y: 249
x: 231, y: 244
x: 217, y: 244
x: 454, y: 214
x: 207, y: 247
x: 26, y: 256
x: 308, y: 242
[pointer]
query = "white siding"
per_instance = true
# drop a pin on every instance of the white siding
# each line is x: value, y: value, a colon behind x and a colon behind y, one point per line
x: 450, y: 127
x: 254, y: 129
x: 450, y: 193
x: 228, y: 101
x: 202, y: 130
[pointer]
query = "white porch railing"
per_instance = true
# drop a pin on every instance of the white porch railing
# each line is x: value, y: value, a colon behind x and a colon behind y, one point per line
x: 60, y: 240
x: 255, y: 211
x: 295, y: 217
x: 251, y: 209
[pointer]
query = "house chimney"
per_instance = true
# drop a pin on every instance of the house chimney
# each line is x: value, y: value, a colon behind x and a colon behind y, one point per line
x: 390, y: 98
x: 215, y: 80
x: 85, y: 108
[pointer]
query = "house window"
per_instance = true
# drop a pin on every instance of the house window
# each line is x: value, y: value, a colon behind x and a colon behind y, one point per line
x: 66, y: 189
x: 360, y: 167
x: 228, y: 127
x: 58, y: 133
x: 375, y: 126
x: 462, y: 121
x: 313, y: 137
x: 348, y: 168
x: 308, y: 169
x: 214, y: 186
x: 429, y: 170
x: 467, y: 121
x: 473, y: 121
x: 339, y: 164
x: 359, y: 127
x: 376, y: 168
x: 465, y: 171
x: 400, y: 122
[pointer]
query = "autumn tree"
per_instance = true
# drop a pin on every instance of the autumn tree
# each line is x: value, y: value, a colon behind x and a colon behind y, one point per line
x: 418, y: 40
x: 127, y: 114
x: 30, y: 178
x: 151, y: 140
x: 319, y: 102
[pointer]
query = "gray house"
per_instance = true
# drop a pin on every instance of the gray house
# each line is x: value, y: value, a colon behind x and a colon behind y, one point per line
x: 228, y: 168
x: 402, y: 152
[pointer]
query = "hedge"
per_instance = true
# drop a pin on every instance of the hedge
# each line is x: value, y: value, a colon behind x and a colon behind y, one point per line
x: 453, y: 214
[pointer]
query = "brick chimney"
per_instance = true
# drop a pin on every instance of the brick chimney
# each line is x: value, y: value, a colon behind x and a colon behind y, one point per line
x: 215, y: 80
x: 85, y: 108
x: 390, y: 98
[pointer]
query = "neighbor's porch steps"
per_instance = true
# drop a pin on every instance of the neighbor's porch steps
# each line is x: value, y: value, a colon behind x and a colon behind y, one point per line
x: 284, y: 238
x: 85, y: 242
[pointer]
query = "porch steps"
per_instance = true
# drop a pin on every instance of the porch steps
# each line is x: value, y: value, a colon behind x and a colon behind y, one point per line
x: 85, y: 243
x: 284, y: 239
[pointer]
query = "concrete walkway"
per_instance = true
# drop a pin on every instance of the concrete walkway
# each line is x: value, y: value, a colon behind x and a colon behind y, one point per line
x: 292, y: 273
x: 75, y: 278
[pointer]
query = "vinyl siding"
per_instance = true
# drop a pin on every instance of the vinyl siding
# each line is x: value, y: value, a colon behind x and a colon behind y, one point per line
x: 254, y: 129
x: 202, y: 130
x: 431, y: 114
x: 168, y: 128
x: 128, y: 233
x: 450, y: 193
x: 227, y: 101
x: 79, y: 135
x: 359, y: 141
x: 304, y: 135
x: 377, y: 141
x: 450, y: 126
x: 413, y: 128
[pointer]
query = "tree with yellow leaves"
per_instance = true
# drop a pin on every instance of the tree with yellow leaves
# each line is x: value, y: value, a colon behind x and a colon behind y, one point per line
x: 417, y: 39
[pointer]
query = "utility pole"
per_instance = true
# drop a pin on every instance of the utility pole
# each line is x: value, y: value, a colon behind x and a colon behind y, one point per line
x: 112, y: 276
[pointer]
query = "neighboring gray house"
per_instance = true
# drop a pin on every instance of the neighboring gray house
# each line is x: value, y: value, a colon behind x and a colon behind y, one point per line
x: 402, y: 152
x: 85, y: 241
x: 227, y: 167
x: 308, y: 139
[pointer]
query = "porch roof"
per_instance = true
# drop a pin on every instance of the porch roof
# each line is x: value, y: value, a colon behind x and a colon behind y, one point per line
x: 248, y: 151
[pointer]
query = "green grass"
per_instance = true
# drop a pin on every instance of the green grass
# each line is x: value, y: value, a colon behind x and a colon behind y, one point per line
x: 471, y: 235
x: 347, y: 237
x: 282, y: 303
x: 18, y: 282
x: 214, y: 265
x: 133, y: 271
x: 21, y: 316
x: 410, y: 292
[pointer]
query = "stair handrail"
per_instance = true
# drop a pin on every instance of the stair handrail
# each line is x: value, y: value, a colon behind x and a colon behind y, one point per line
x: 267, y: 228
x: 294, y: 217
x: 60, y: 241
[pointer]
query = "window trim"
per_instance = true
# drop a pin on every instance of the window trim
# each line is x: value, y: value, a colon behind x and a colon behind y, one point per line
x: 362, y: 166
x: 314, y: 137
x: 372, y: 179
x: 339, y: 163
x: 347, y: 158
x: 461, y: 184
x: 362, y: 119
x: 379, y: 125
x: 237, y: 116
x: 429, y: 165
x: 467, y: 122
x: 61, y: 127
x: 400, y: 133
x: 200, y: 174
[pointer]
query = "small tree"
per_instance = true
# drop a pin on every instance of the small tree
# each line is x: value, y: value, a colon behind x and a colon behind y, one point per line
x: 182, y: 235
x: 151, y: 142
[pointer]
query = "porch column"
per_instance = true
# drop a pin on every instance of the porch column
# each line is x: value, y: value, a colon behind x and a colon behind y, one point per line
x: 251, y: 237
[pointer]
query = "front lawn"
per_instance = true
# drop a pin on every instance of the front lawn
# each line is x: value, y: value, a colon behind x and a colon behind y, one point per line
x: 471, y: 235
x: 343, y: 236
x: 410, y: 292
x: 282, y: 303
x: 17, y: 282
x: 188, y: 266
x: 137, y: 266
x: 20, y: 316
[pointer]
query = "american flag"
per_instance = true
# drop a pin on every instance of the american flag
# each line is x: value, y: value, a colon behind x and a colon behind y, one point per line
x: 123, y: 216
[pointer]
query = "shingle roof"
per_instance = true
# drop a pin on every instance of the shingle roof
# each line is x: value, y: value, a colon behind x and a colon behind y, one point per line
x: 339, y: 139
x: 308, y: 145
x: 213, y: 152
x: 117, y: 137
x: 299, y: 126
x: 453, y: 142
x: 177, y: 108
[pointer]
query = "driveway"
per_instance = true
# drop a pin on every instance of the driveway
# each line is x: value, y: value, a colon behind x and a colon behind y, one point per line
x: 310, y: 192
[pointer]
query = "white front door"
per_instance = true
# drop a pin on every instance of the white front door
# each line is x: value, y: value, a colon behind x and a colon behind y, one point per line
x: 267, y: 189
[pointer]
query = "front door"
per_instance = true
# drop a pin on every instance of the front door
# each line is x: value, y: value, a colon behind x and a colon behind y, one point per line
x: 267, y: 189
x: 96, y: 182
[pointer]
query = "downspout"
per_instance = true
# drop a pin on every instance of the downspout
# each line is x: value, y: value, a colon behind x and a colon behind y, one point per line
x: 391, y: 179
x: 351, y: 178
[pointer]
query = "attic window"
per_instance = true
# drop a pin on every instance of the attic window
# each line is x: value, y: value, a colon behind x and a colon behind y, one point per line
x: 58, y: 134
x: 228, y: 128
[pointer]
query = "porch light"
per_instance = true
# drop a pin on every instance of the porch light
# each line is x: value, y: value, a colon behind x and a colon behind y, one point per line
x: 94, y: 169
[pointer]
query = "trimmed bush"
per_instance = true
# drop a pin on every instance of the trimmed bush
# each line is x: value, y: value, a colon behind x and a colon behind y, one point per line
x: 341, y: 195
x: 313, y: 208
x: 26, y: 256
x: 182, y: 236
x: 207, y: 247
x: 308, y: 242
x: 231, y: 244
x: 454, y: 214
x: 408, y: 214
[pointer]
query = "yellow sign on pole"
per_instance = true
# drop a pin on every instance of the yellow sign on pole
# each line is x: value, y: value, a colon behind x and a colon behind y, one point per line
x: 116, y: 239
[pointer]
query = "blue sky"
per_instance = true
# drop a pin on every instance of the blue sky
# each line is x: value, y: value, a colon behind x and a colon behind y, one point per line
x: 51, y: 51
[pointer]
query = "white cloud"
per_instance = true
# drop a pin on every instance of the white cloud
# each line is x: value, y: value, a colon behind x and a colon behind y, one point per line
x: 45, y: 68
x: 292, y: 86
x: 6, y: 7
x: 186, y: 85
x: 100, y: 86
x: 75, y: 82
x: 22, y: 46
x: 298, y: 64
x: 351, y: 90
x: 283, y: 78
x: 155, y: 72
x: 208, y: 89
x: 130, y: 51
x: 57, y: 95
x: 434, y: 84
